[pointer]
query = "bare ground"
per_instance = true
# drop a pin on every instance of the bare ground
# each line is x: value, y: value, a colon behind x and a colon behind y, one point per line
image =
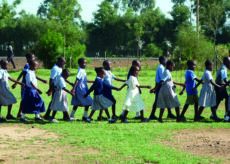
x: 26, y: 144
x: 214, y: 143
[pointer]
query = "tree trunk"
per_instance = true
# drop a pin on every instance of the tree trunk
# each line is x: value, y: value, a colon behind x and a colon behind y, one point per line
x: 197, y: 17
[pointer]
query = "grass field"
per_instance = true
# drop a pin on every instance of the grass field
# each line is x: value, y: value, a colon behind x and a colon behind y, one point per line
x: 100, y: 142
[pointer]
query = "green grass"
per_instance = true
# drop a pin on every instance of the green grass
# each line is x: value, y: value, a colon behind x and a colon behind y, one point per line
x: 124, y: 143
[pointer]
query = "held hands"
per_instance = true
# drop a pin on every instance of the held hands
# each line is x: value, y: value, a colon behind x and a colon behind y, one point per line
x: 45, y: 81
x: 49, y: 92
x: 72, y: 93
x: 182, y: 92
x: 153, y: 90
x: 22, y: 84
x: 148, y: 86
x: 14, y: 85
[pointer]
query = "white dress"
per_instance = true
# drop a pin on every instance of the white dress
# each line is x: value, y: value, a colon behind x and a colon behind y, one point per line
x: 60, y: 100
x: 133, y: 101
x: 167, y: 97
x: 6, y: 97
x: 207, y: 93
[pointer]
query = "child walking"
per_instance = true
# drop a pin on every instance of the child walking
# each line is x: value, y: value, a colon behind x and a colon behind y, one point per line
x: 100, y: 102
x: 133, y: 101
x: 167, y: 97
x: 80, y: 88
x: 6, y: 97
x: 29, y: 56
x: 108, y: 92
x: 207, y: 93
x: 33, y: 103
x: 159, y: 77
x: 192, y: 95
x: 60, y: 100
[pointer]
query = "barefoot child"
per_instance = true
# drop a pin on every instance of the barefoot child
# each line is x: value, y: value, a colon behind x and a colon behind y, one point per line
x: 133, y: 101
x: 80, y: 88
x: 108, y: 93
x: 167, y: 97
x: 33, y: 103
x: 29, y: 56
x: 6, y: 97
x: 192, y: 95
x: 60, y: 100
x: 100, y: 102
x: 207, y: 93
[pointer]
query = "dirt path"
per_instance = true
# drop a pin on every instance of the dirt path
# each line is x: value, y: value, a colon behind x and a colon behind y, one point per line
x: 214, y: 143
x: 26, y: 144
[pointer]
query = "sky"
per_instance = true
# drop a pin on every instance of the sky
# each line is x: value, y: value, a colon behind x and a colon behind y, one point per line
x: 88, y: 7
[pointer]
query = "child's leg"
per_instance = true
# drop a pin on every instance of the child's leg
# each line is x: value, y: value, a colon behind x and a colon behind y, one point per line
x: 184, y: 110
x: 91, y: 114
x: 86, y: 112
x: 142, y: 114
x: 213, y: 109
x: 152, y: 115
x: 226, y: 106
x: 73, y: 111
x: 137, y: 114
x: 199, y: 113
x: 114, y: 109
x: 100, y: 113
x: 9, y: 110
x: 125, y: 115
x: 67, y: 115
x: 20, y: 109
x: 196, y: 109
x: 170, y: 115
x: 177, y: 113
x: 53, y: 115
x: 106, y: 112
x: 47, y: 115
x: 161, y: 114
x: 0, y: 110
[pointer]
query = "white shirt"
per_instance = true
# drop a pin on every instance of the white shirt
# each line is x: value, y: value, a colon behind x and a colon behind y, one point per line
x: 108, y: 77
x: 60, y: 82
x: 31, y: 77
x: 4, y: 74
x: 55, y: 72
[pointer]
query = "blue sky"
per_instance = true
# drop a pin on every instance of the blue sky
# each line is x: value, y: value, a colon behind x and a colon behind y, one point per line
x: 88, y: 7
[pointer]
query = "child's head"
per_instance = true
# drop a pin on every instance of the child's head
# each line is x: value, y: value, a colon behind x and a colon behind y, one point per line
x: 4, y: 64
x: 100, y: 72
x: 136, y: 63
x: 65, y: 73
x: 107, y: 65
x: 61, y: 62
x: 162, y: 60
x: 209, y: 65
x: 33, y: 64
x: 191, y: 64
x: 30, y: 56
x: 134, y: 70
x: 170, y: 65
x: 226, y: 61
x: 82, y: 63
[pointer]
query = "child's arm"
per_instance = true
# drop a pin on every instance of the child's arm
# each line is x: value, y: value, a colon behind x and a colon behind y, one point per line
x: 119, y: 89
x: 72, y: 84
x: 117, y: 79
x: 72, y: 93
x: 16, y: 82
x: 200, y: 82
x: 182, y: 91
x: 92, y: 88
x: 18, y: 79
x: 156, y: 87
x: 44, y: 81
x: 180, y: 84
x: 144, y: 86
x: 49, y: 92
x: 90, y: 81
x: 39, y: 91
x: 216, y: 85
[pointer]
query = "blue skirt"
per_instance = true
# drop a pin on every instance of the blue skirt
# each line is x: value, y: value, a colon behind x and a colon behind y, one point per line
x: 33, y: 103
x: 107, y: 92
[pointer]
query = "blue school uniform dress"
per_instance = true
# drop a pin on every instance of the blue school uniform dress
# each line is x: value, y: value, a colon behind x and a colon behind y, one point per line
x: 55, y: 72
x: 81, y: 89
x: 192, y: 96
x: 99, y: 100
x: 25, y: 70
x: 33, y: 103
x: 6, y: 97
x: 108, y: 91
x: 159, y: 77
x: 221, y: 75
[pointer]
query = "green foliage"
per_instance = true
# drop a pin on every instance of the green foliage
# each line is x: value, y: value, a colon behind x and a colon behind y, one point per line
x: 49, y: 48
x: 152, y: 51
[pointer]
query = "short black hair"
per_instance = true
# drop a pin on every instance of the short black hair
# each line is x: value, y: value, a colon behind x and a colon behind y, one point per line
x: 65, y: 71
x: 225, y: 60
x: 135, y: 63
x: 133, y: 68
x: 3, y: 62
x: 208, y: 63
x: 169, y: 63
x: 190, y: 63
x: 99, y: 69
x: 162, y: 58
x: 31, y: 62
x: 60, y: 59
x: 29, y: 55
x: 105, y: 62
x: 81, y: 60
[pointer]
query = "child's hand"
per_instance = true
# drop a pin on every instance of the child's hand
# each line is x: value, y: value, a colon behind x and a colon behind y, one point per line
x: 14, y: 85
x: 153, y: 90
x: 49, y: 92
x: 184, y: 85
x: 72, y: 93
x: 148, y: 86
x: 181, y: 93
x: 85, y: 96
x: 45, y: 81
x: 39, y: 91
x: 22, y: 84
x: 73, y: 90
x: 194, y: 89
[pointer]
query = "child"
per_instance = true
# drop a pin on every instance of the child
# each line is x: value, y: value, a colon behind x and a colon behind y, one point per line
x: 190, y: 81
x: 33, y: 103
x: 159, y: 77
x: 133, y: 101
x: 167, y: 97
x: 60, y: 101
x: 100, y: 102
x: 138, y: 64
x: 55, y: 72
x: 108, y: 93
x: 6, y: 97
x: 207, y: 93
x: 221, y: 80
x: 29, y: 56
x: 80, y: 88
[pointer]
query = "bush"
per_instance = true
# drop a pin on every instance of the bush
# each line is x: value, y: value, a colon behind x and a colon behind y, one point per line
x: 152, y: 51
